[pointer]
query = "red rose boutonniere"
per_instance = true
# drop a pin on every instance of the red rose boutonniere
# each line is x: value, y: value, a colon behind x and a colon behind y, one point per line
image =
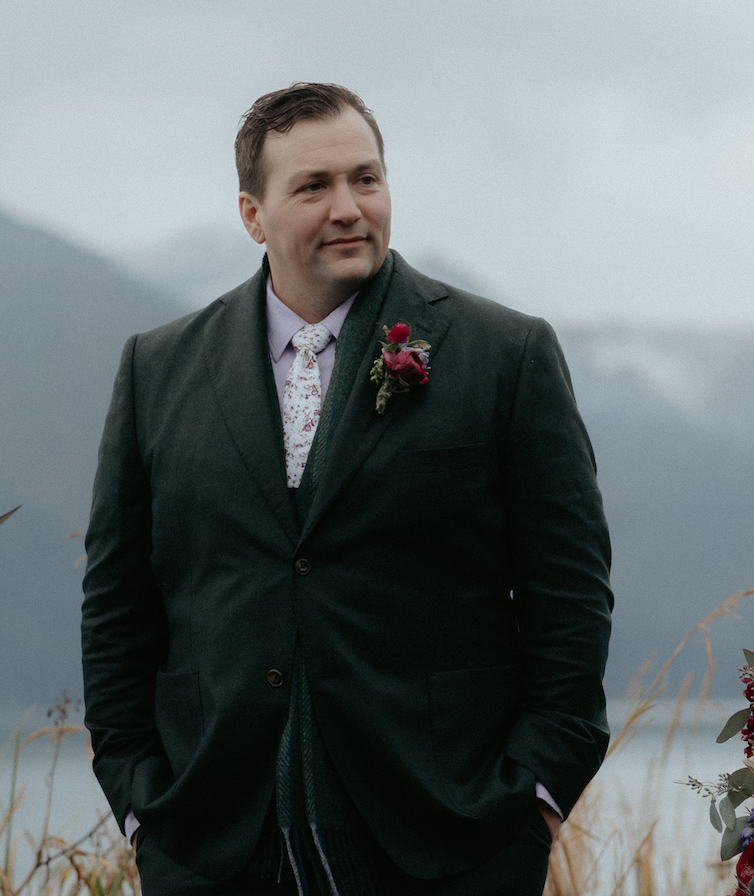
x: 403, y: 363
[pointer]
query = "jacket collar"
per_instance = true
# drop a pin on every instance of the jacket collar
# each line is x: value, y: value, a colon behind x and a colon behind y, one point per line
x: 237, y: 357
x: 410, y: 296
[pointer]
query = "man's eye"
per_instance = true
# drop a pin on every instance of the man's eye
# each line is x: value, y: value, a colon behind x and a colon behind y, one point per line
x: 313, y: 188
x: 367, y: 179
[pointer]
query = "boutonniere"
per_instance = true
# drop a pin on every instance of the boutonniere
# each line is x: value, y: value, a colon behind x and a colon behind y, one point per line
x: 403, y: 363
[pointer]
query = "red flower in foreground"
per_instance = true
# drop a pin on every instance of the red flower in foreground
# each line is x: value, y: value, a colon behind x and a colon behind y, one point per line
x: 399, y: 333
x: 402, y: 363
x: 745, y: 871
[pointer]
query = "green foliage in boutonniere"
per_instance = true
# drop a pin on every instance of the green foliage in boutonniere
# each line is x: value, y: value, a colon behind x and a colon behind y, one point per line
x: 403, y: 363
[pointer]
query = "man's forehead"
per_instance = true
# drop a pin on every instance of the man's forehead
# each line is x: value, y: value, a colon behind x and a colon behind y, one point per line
x: 314, y: 142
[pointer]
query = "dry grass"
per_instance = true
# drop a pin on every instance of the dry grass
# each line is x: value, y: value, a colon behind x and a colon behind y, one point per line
x: 598, y: 856
x: 592, y: 856
x: 98, y: 863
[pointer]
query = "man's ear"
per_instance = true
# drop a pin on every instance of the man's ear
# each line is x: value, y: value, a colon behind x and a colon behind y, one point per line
x: 249, y: 208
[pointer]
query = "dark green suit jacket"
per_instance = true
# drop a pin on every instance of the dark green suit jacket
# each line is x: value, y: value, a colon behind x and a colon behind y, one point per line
x: 453, y: 610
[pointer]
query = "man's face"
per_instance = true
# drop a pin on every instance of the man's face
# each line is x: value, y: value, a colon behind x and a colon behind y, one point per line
x: 325, y: 216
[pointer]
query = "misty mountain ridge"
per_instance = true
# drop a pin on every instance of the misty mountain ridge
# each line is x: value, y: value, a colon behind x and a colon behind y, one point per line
x: 700, y: 373
x: 669, y: 413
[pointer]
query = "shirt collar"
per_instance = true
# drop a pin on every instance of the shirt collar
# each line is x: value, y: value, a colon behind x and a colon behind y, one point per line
x: 283, y: 324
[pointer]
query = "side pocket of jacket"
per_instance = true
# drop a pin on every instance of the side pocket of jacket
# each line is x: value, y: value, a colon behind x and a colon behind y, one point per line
x: 179, y: 717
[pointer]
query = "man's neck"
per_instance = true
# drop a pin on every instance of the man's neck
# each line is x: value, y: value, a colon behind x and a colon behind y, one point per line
x: 314, y: 308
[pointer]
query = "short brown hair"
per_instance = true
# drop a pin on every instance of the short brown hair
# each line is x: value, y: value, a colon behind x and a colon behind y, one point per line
x: 279, y: 111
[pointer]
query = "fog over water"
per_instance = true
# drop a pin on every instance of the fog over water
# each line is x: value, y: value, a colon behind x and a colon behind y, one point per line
x: 583, y: 160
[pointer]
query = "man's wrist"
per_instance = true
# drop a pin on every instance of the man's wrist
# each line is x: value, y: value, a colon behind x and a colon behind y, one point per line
x: 552, y: 819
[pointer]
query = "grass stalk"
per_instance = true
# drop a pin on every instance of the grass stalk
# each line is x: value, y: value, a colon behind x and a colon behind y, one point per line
x: 589, y: 857
x: 8, y: 819
x: 578, y: 854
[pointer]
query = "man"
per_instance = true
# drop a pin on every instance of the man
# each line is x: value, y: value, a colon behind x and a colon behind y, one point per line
x: 351, y: 646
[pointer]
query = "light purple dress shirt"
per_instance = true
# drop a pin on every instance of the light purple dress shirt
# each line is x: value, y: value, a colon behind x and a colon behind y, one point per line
x: 282, y: 326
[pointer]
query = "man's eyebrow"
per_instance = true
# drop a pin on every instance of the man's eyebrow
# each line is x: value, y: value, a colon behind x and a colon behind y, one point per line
x: 311, y: 174
x: 306, y: 174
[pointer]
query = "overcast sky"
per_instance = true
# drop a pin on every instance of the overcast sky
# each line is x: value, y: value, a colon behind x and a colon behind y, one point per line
x: 580, y: 159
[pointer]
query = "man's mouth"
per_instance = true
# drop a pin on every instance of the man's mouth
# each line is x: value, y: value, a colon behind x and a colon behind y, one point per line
x: 346, y: 241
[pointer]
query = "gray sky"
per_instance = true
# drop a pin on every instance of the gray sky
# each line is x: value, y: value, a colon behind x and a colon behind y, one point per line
x: 580, y: 159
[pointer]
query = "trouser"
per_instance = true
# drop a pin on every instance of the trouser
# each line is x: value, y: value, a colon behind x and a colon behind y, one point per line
x: 518, y: 869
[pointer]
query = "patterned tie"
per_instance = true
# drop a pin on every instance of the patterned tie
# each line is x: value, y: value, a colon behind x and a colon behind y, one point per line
x: 302, y: 399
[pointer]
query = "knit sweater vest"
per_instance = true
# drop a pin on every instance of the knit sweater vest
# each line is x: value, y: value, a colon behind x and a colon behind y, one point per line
x: 323, y: 843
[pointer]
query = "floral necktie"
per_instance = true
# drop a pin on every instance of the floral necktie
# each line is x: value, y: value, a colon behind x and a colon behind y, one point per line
x: 302, y: 399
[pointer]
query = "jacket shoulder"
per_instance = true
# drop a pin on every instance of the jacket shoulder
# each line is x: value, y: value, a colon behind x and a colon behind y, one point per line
x: 193, y: 325
x: 483, y: 316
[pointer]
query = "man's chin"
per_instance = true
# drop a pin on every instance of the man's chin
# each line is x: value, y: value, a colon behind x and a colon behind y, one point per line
x: 352, y: 273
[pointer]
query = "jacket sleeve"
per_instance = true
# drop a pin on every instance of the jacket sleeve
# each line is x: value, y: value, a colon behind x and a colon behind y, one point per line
x: 122, y: 621
x: 560, y: 554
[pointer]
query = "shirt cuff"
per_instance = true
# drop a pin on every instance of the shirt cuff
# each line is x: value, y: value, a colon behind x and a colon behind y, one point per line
x: 542, y: 794
x: 131, y: 825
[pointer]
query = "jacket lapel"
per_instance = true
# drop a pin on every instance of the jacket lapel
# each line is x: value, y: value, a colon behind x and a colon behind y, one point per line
x: 412, y: 297
x: 237, y: 356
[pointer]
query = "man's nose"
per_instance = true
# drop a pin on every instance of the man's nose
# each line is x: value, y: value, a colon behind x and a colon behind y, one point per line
x: 344, y: 209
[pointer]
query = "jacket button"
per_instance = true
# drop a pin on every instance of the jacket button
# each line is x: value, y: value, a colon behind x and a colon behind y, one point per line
x: 302, y: 566
x: 275, y: 678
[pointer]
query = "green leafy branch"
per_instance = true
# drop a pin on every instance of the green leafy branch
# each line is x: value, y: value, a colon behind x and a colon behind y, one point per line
x: 733, y: 789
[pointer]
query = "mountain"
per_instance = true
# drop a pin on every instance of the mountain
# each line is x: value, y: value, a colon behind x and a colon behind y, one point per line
x: 670, y: 416
x: 66, y: 315
x: 197, y: 265
x: 669, y: 412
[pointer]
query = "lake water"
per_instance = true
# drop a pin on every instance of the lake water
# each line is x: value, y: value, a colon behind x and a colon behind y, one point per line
x: 640, y: 786
x: 637, y: 787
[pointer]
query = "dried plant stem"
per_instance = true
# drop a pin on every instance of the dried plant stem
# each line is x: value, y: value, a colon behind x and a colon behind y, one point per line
x: 646, y: 699
x: 12, y: 802
x: 579, y: 851
x: 636, y: 862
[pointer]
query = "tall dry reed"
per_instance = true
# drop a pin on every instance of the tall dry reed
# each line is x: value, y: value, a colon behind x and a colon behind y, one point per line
x: 99, y: 863
x: 595, y: 855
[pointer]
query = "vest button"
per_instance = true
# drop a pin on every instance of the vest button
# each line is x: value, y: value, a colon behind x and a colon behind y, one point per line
x: 275, y: 678
x: 302, y: 566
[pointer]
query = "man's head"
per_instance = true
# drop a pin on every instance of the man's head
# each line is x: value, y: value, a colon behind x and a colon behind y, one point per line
x: 279, y: 111
x: 324, y: 208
